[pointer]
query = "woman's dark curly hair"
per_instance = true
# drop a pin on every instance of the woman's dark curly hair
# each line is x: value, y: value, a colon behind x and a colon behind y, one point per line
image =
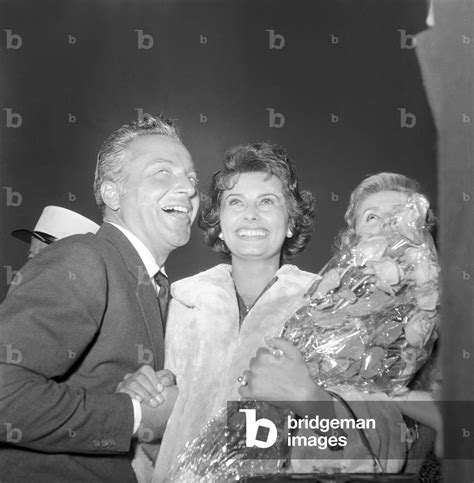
x: 259, y: 157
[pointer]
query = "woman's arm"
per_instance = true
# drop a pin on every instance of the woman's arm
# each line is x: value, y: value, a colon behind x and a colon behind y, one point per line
x: 279, y: 374
x: 420, y: 406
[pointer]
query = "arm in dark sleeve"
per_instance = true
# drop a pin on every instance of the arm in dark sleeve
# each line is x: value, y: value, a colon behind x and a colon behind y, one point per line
x: 46, y: 323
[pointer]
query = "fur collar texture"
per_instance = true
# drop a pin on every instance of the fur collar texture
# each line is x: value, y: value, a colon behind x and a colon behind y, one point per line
x: 206, y: 350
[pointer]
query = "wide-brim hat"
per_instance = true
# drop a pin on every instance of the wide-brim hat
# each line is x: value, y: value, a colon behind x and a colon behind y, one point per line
x: 55, y: 223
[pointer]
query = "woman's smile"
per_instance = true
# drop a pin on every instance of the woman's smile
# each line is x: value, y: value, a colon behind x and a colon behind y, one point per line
x: 252, y: 233
x: 254, y: 217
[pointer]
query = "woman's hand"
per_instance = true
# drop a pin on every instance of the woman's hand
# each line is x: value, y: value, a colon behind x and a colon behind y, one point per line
x: 280, y: 374
x: 421, y: 406
x: 146, y: 385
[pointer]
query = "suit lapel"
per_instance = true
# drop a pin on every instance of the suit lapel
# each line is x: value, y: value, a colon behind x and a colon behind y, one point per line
x: 145, y: 292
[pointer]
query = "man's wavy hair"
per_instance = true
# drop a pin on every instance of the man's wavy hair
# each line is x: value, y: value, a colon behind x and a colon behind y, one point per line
x: 113, y: 154
x: 375, y: 184
x: 273, y: 160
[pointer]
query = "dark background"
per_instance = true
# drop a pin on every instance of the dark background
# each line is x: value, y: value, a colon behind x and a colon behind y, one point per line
x: 212, y: 62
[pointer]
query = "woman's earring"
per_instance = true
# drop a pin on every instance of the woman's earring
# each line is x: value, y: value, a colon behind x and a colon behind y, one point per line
x: 221, y: 236
x: 289, y: 233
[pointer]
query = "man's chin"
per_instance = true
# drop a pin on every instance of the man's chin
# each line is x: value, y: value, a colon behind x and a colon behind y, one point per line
x: 178, y: 219
x: 180, y: 241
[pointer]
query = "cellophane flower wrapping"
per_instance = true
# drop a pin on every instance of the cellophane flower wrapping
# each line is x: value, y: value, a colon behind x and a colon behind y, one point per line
x: 220, y: 453
x: 372, y: 319
x: 369, y: 322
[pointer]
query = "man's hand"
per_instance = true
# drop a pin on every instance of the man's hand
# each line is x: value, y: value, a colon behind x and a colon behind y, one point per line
x: 280, y: 374
x: 154, y: 419
x: 146, y: 385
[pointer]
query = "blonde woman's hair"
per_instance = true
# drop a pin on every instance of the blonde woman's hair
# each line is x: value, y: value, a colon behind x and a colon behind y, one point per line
x: 375, y: 184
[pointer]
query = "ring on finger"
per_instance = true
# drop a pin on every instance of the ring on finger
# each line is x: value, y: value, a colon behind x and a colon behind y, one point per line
x: 243, y: 380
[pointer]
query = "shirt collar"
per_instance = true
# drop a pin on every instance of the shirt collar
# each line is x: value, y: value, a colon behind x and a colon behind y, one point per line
x: 147, y: 258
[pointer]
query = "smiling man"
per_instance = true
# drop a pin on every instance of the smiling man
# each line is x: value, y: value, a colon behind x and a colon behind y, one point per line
x: 90, y: 310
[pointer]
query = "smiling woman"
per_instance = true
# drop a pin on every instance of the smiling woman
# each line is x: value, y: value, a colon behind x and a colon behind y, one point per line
x: 260, y: 162
x: 257, y: 217
x: 254, y: 218
x: 342, y: 364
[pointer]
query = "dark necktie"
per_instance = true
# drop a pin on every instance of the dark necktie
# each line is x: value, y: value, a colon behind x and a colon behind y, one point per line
x: 163, y: 294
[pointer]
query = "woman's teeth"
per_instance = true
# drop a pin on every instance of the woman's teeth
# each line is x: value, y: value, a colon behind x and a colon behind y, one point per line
x: 252, y: 233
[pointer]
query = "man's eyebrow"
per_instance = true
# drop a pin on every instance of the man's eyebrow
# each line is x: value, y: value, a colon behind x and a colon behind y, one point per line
x: 162, y: 160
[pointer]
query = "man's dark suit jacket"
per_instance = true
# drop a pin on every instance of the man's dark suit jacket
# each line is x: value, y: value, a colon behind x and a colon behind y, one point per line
x: 84, y: 313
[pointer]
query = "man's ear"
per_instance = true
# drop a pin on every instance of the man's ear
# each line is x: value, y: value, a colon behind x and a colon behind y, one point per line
x: 110, y: 195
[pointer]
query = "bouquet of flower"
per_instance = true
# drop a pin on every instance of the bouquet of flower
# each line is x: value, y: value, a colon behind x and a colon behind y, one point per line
x: 220, y: 453
x: 372, y: 319
x: 369, y: 322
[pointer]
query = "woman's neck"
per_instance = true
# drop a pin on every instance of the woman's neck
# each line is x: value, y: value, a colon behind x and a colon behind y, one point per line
x: 252, y: 276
